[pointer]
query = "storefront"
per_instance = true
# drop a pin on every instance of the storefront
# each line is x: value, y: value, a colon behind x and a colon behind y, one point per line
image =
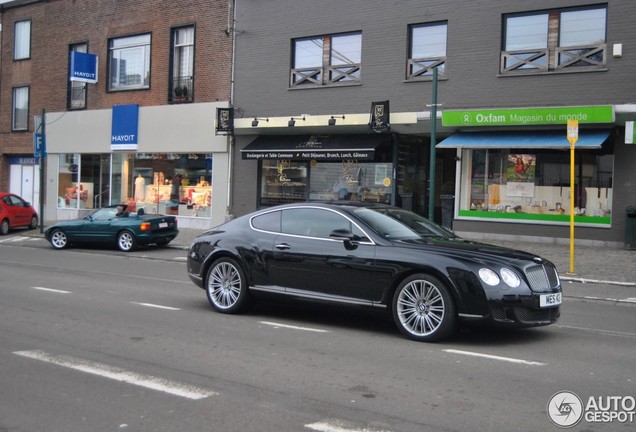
x: 514, y: 168
x: 170, y: 161
x: 323, y: 168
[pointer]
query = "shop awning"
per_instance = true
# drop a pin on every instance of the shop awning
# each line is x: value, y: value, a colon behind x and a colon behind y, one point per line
x: 589, y: 139
x: 313, y: 147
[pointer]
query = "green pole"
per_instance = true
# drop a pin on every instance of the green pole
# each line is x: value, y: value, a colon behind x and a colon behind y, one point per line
x: 42, y: 182
x: 431, y: 171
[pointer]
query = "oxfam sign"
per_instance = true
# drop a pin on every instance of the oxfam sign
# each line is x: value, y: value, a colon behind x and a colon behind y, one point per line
x: 528, y: 116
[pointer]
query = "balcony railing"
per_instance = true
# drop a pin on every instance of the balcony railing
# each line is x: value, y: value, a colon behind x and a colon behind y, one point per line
x: 560, y: 59
x: 329, y: 75
x: 182, y: 90
x: 421, y: 68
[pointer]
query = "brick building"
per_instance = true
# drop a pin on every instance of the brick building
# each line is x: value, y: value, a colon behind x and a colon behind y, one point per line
x: 163, y: 69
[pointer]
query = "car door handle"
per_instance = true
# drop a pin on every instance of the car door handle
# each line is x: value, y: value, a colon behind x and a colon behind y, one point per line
x: 282, y: 246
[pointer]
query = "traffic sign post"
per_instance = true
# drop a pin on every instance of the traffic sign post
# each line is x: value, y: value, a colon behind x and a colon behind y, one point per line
x: 573, y: 136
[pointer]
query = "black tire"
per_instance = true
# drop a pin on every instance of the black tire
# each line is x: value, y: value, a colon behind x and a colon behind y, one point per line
x: 4, y: 227
x: 423, y: 309
x: 58, y: 239
x: 126, y: 241
x: 226, y: 286
x: 34, y: 222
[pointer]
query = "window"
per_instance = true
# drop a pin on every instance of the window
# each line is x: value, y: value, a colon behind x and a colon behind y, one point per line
x: 129, y: 63
x: 20, y: 108
x: 427, y: 50
x: 343, y: 53
x: 182, y: 64
x: 555, y: 41
x: 76, y: 89
x: 534, y: 185
x: 22, y: 40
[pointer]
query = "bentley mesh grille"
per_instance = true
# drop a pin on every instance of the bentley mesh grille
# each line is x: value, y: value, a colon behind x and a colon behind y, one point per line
x: 542, y: 278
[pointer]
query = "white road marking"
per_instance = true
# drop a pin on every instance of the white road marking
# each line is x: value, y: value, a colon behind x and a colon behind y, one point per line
x: 494, y: 357
x: 339, y: 426
x: 156, y: 306
x: 51, y: 290
x: 273, y: 324
x: 99, y: 369
x: 180, y: 258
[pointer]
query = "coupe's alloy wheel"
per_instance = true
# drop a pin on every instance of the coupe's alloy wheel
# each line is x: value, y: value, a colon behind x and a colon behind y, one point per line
x: 226, y: 286
x: 4, y: 227
x: 59, y: 239
x: 34, y: 222
x: 423, y: 309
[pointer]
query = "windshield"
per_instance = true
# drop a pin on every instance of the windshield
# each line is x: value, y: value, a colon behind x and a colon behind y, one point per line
x: 400, y: 224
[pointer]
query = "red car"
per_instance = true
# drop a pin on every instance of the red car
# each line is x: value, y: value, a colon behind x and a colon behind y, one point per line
x: 16, y: 212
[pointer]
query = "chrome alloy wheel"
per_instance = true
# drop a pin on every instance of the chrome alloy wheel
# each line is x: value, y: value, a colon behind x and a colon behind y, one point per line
x: 59, y: 240
x: 224, y: 285
x: 420, y: 308
x: 126, y: 241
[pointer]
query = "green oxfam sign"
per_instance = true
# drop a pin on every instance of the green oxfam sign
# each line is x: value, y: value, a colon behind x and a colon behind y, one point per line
x: 528, y: 116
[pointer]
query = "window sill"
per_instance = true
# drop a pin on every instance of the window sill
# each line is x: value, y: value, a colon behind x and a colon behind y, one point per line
x: 552, y: 72
x: 308, y: 87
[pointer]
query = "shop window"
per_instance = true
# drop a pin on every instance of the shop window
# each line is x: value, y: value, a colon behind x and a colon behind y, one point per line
x: 351, y: 180
x: 77, y: 89
x: 283, y: 181
x: 129, y: 63
x: 20, y: 117
x: 164, y: 183
x: 22, y: 40
x: 534, y: 185
x: 182, y: 78
x: 327, y: 60
x: 427, y: 51
x: 556, y: 41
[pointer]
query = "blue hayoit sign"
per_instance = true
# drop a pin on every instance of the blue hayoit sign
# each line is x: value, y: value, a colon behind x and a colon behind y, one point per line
x: 83, y: 67
x: 125, y: 127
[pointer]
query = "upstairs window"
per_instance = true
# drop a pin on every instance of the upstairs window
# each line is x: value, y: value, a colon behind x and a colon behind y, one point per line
x: 22, y: 40
x: 20, y: 112
x: 327, y: 60
x: 182, y: 78
x: 555, y: 41
x: 76, y: 98
x: 427, y: 51
x: 129, y: 63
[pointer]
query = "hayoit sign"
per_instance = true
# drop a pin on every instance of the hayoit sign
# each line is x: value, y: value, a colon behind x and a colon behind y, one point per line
x: 528, y: 116
x: 83, y: 67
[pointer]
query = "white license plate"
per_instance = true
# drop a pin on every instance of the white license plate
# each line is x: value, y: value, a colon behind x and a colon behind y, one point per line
x: 548, y: 300
x: 163, y: 224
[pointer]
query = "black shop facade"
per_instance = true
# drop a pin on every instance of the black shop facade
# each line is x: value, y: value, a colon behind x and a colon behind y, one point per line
x: 296, y: 168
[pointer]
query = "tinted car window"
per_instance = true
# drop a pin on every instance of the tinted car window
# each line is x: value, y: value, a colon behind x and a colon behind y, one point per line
x: 313, y: 222
x: 397, y: 224
x: 267, y: 222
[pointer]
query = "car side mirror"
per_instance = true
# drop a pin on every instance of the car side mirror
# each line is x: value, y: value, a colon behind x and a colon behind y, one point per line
x: 27, y: 204
x: 350, y: 239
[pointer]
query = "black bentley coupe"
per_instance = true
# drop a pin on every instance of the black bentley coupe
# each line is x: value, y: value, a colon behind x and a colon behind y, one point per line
x: 375, y: 255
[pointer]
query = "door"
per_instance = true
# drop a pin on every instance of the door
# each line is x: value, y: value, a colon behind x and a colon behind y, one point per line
x: 305, y: 260
x: 24, y: 180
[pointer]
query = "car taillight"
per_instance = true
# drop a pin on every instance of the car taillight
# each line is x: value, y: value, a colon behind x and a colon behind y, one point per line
x: 145, y: 226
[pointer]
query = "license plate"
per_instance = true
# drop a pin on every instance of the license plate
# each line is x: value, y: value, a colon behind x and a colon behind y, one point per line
x: 549, y: 300
x: 163, y: 224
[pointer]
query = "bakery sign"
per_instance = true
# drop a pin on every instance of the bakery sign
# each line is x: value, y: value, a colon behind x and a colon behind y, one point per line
x: 314, y: 147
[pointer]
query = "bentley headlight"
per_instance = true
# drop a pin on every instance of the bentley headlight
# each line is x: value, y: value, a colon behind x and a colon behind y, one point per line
x: 510, y: 278
x: 489, y: 276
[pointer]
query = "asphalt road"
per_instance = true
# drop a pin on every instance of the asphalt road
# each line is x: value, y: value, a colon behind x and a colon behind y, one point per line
x: 98, y: 340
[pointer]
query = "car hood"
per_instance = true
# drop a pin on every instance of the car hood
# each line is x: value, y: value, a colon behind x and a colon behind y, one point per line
x: 467, y: 248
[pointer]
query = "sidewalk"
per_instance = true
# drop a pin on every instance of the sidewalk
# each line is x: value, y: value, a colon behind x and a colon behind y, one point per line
x: 591, y: 264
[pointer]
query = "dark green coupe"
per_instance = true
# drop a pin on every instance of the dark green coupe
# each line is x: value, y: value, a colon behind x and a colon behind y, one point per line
x: 114, y: 225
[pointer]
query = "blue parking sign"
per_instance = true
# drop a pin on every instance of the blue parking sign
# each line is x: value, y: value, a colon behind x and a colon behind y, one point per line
x: 39, y: 145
